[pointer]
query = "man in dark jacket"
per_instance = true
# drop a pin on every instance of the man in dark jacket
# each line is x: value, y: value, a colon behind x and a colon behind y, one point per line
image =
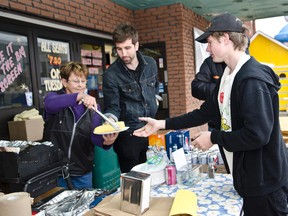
x: 130, y: 86
x: 245, y: 104
x: 205, y: 81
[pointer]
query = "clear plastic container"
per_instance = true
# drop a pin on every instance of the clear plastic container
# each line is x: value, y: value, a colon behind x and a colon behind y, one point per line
x: 149, y: 154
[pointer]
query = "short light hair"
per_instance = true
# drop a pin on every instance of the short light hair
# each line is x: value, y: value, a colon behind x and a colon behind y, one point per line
x: 240, y: 40
x: 73, y: 67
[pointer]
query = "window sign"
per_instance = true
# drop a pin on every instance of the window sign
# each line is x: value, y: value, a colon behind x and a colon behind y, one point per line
x: 51, y: 55
x: 91, y: 56
x: 15, y: 77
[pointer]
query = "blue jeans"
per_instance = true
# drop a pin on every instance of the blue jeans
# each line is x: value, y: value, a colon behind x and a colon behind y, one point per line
x: 78, y: 182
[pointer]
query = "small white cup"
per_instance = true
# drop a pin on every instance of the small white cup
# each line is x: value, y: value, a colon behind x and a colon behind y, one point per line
x: 29, y: 98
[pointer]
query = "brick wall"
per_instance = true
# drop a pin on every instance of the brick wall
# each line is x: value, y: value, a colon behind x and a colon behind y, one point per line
x: 172, y: 24
x: 100, y: 15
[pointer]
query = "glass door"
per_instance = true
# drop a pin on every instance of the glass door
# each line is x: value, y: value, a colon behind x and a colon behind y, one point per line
x: 158, y: 52
x: 51, y: 54
x: 92, y: 57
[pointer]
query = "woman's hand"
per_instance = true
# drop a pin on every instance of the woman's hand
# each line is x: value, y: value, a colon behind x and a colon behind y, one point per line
x: 151, y: 127
x: 87, y: 100
x: 109, y: 139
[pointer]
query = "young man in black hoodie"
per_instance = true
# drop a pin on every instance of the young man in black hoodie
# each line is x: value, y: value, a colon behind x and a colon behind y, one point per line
x: 245, y: 104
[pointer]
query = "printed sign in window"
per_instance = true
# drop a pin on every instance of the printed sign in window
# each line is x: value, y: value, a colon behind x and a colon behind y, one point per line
x: 51, y: 55
x: 15, y: 74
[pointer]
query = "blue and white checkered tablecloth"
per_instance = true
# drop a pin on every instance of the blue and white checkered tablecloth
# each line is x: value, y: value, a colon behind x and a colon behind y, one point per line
x: 215, y: 196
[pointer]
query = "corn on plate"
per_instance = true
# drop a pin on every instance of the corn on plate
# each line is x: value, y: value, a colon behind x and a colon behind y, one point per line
x: 107, y: 128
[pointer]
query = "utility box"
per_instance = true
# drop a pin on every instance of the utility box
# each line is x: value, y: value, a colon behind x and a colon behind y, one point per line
x: 180, y: 137
x: 158, y: 138
x: 27, y: 130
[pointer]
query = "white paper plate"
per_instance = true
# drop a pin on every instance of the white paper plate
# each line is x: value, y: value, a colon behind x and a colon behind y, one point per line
x: 110, y: 132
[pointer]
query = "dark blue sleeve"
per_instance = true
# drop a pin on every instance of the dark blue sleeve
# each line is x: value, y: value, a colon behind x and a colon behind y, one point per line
x: 205, y: 80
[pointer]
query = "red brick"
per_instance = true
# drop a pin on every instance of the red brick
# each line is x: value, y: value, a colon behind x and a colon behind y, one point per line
x: 33, y: 10
x: 172, y: 24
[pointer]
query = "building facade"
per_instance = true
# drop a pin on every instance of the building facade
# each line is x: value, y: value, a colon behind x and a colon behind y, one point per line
x: 36, y: 36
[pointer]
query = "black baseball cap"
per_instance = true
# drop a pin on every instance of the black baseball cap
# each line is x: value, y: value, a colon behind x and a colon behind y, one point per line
x: 222, y: 23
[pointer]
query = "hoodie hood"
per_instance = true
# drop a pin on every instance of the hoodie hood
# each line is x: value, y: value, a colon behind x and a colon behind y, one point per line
x: 261, y: 72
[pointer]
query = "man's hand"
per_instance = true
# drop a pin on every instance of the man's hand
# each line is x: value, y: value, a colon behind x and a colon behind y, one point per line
x: 202, y: 140
x: 151, y: 127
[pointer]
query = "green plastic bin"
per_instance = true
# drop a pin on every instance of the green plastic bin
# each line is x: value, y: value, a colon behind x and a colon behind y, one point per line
x: 106, y: 170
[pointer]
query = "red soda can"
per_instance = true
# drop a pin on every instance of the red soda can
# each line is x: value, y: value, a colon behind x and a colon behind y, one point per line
x: 170, y: 174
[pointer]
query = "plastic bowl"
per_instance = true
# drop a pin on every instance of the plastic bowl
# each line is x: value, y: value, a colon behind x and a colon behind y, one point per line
x: 157, y: 172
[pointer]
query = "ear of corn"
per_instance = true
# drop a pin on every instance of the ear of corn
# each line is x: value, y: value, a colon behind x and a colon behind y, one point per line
x: 106, y: 128
x: 27, y: 114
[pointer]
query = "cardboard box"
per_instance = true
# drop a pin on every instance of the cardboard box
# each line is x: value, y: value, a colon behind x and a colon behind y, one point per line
x: 219, y: 168
x: 158, y: 139
x: 28, y: 130
x: 180, y: 137
x: 110, y: 205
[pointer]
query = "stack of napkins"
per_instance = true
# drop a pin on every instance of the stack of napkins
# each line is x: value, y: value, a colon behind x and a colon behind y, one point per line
x: 185, y: 203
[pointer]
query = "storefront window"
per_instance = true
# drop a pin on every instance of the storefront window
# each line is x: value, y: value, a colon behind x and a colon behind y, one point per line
x: 15, y: 74
x: 51, y: 55
x: 91, y: 56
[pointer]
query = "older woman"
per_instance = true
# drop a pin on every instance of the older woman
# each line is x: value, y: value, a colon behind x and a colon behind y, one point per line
x: 69, y: 124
